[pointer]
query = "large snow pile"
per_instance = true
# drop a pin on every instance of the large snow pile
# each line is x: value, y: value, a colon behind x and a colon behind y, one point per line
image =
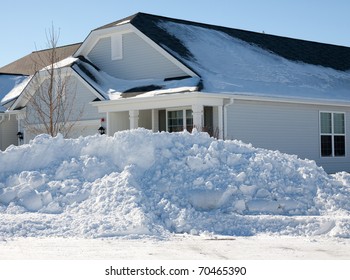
x: 139, y: 182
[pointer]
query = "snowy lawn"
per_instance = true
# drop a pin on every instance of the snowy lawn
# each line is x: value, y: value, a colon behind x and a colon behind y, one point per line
x: 178, y: 247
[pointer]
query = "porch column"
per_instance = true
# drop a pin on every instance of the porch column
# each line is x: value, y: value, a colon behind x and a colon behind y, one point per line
x: 109, y: 122
x: 198, y: 116
x: 134, y: 119
x: 220, y: 122
x: 155, y: 120
x: 20, y: 128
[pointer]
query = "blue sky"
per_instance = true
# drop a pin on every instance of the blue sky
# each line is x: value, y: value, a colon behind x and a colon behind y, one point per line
x: 23, y: 23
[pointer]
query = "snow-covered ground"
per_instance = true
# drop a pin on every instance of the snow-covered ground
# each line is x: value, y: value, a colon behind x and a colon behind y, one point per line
x: 178, y: 247
x: 140, y: 188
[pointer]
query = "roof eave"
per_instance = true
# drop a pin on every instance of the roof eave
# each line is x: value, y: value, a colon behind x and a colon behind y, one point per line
x: 250, y: 96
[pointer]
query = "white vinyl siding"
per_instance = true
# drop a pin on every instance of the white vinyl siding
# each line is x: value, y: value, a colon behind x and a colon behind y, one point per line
x: 145, y: 119
x: 139, y: 60
x: 8, y: 132
x: 85, y: 128
x: 289, y: 128
x: 80, y: 96
x: 117, y: 121
x: 83, y: 98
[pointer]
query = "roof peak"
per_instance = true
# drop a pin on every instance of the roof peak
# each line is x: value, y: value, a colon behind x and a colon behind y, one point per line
x: 310, y: 52
x: 114, y: 23
x: 59, y: 47
x: 208, y: 25
x: 216, y: 26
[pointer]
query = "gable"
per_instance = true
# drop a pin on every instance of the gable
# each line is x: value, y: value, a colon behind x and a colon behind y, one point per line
x: 77, y: 96
x: 74, y: 82
x: 136, y: 60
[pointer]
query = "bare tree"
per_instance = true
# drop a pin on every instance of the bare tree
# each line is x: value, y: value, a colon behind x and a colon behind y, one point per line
x: 51, y: 106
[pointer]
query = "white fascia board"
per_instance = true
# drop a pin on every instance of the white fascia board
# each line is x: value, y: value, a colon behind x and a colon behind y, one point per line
x: 199, y: 98
x: 305, y: 101
x: 250, y: 96
x: 96, y: 35
x: 157, y: 102
x: 164, y: 52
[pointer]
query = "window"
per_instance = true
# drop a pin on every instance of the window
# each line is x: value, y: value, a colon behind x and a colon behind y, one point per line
x: 175, y: 121
x: 179, y: 120
x: 189, y: 120
x: 332, y: 134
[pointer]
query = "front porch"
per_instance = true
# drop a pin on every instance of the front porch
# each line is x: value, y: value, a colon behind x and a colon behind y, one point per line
x: 165, y: 119
x: 166, y: 113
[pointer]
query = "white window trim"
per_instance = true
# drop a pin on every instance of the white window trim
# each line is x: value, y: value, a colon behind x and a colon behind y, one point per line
x: 183, y: 116
x: 332, y: 134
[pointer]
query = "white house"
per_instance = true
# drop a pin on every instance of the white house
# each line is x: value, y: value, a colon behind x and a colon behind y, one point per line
x: 168, y: 74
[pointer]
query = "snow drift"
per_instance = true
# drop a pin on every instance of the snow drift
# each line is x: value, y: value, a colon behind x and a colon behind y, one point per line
x: 144, y: 183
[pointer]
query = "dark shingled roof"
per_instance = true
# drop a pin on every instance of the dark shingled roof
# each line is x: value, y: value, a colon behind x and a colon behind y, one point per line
x: 336, y: 57
x: 37, y: 60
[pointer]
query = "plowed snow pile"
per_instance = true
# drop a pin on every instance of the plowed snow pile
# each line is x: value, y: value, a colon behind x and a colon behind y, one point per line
x: 142, y: 183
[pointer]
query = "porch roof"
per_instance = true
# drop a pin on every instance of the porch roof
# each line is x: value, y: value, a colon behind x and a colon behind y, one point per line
x: 161, y: 102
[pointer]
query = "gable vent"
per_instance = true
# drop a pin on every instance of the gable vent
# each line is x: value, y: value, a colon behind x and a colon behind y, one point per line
x: 116, y: 46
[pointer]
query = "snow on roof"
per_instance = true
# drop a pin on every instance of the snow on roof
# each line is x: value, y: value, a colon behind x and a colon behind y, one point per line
x: 11, y: 86
x: 114, y: 88
x: 123, y: 22
x: 327, y: 55
x: 62, y: 63
x: 229, y: 65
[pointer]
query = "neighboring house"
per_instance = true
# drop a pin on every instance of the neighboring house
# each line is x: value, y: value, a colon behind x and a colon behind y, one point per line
x: 8, y: 121
x: 14, y: 77
x: 169, y: 74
